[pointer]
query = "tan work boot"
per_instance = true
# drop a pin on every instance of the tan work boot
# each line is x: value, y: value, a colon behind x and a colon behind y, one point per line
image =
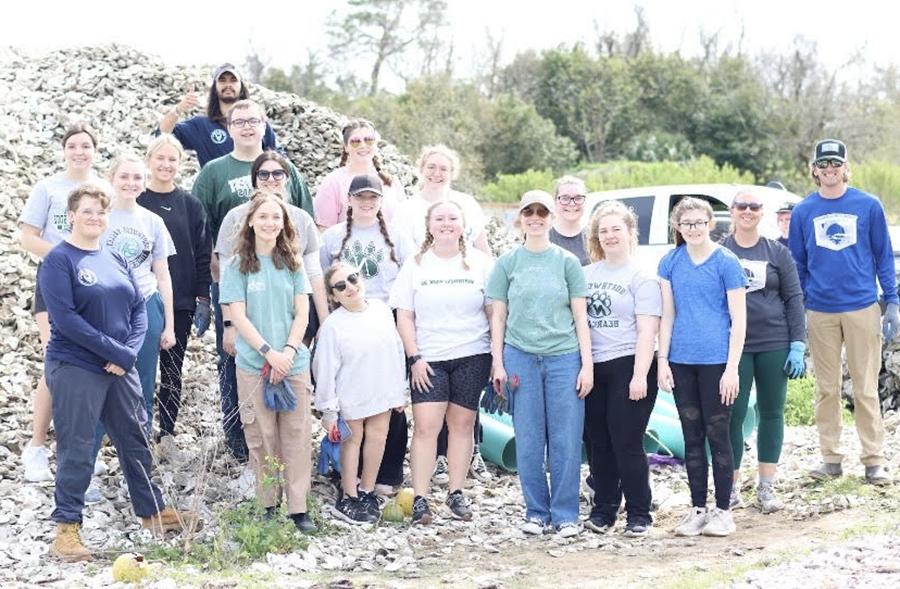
x: 169, y: 520
x: 67, y: 545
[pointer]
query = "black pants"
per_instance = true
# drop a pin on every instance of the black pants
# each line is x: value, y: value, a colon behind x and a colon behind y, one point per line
x: 170, y: 363
x: 443, y: 436
x: 704, y: 418
x: 391, y: 470
x: 617, y: 425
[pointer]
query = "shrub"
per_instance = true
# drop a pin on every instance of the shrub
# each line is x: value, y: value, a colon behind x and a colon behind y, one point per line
x: 800, y: 405
x: 881, y: 179
x: 510, y: 187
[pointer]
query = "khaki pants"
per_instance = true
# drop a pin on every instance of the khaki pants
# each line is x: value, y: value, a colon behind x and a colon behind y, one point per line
x: 282, y: 436
x: 860, y: 332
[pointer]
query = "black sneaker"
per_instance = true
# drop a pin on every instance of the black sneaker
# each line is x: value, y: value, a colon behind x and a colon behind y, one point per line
x: 598, y: 524
x: 303, y: 522
x: 421, y: 513
x: 459, y: 505
x: 637, y: 529
x: 353, y: 511
x: 370, y: 501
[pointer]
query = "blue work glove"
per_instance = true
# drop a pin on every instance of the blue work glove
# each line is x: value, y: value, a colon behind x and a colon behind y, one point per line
x: 890, y: 322
x: 202, y: 314
x: 795, y: 366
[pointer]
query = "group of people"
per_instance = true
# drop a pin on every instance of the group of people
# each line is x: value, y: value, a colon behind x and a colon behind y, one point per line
x: 363, y: 298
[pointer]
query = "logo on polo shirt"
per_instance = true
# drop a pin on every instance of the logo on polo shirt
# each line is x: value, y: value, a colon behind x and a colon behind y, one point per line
x: 87, y: 277
x: 835, y: 231
x: 218, y: 136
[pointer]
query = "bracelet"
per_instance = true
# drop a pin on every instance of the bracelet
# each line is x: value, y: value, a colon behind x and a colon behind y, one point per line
x: 291, y: 347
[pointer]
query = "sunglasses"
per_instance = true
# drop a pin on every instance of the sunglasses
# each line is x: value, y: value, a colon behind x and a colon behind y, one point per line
x: 357, y: 141
x: 540, y: 211
x: 685, y: 225
x: 273, y: 174
x: 822, y: 164
x: 743, y: 206
x: 341, y: 285
x: 565, y: 199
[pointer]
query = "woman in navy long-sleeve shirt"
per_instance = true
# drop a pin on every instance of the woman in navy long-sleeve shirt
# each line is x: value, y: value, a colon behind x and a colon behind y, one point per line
x: 97, y: 326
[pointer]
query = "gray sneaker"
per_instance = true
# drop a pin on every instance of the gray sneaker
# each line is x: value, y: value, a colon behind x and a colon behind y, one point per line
x: 877, y: 475
x: 532, y: 526
x: 827, y: 470
x: 736, y: 501
x: 765, y: 496
x: 693, y: 523
x: 459, y: 505
x: 441, y: 474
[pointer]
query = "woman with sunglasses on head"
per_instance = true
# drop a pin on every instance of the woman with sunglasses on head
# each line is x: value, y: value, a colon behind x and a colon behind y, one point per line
x: 185, y: 219
x: 366, y: 242
x: 541, y: 348
x: 266, y: 292
x: 361, y: 377
x: 360, y: 158
x: 624, y: 307
x: 270, y: 173
x: 43, y: 224
x: 701, y: 337
x: 569, y: 231
x: 774, y: 346
x: 449, y: 362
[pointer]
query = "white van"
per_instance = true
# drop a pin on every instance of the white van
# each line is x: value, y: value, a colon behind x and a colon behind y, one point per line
x: 653, y: 205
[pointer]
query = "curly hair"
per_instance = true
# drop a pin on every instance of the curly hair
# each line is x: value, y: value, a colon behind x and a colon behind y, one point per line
x: 285, y: 254
x: 429, y: 238
x: 348, y: 130
x: 612, y: 207
x: 87, y: 191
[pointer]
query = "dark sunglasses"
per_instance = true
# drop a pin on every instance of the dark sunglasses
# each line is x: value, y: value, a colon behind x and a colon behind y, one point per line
x: 274, y: 174
x: 540, y: 211
x: 822, y: 164
x: 341, y: 285
x: 357, y: 141
x: 743, y: 206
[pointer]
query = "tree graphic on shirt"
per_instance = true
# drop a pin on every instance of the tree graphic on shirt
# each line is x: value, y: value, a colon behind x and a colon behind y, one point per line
x: 367, y: 259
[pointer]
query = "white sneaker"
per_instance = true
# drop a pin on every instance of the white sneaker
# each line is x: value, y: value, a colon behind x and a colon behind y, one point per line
x: 569, y: 530
x: 533, y: 527
x: 93, y: 494
x: 100, y: 467
x: 478, y: 468
x: 36, y: 464
x: 693, y: 523
x: 720, y: 523
x: 441, y: 474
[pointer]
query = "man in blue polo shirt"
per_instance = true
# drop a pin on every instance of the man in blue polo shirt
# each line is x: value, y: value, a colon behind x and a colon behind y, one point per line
x: 839, y: 239
x: 207, y: 135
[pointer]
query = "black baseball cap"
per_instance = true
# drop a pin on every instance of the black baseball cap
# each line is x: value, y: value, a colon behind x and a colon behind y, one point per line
x: 226, y: 67
x: 366, y: 184
x: 786, y: 208
x: 830, y: 149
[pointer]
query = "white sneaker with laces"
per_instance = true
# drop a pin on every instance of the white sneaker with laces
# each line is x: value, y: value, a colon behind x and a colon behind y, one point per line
x: 478, y: 469
x: 693, y: 523
x: 720, y: 523
x: 36, y: 464
x: 533, y: 527
x: 569, y: 530
x: 441, y: 474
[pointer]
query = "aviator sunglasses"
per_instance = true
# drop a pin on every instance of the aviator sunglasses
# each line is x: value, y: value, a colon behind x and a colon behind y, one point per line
x: 341, y: 285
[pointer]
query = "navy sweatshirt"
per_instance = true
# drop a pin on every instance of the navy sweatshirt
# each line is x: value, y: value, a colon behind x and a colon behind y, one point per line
x: 210, y: 140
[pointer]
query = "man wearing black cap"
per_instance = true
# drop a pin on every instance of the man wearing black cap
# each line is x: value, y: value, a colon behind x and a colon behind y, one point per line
x: 208, y: 135
x: 783, y: 216
x: 839, y: 239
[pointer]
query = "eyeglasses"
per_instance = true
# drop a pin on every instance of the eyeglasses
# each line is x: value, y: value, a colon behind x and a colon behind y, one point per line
x: 743, y: 206
x: 834, y: 163
x: 274, y: 174
x: 684, y: 225
x: 357, y: 141
x: 565, y: 199
x: 540, y: 211
x: 341, y: 285
x: 241, y: 123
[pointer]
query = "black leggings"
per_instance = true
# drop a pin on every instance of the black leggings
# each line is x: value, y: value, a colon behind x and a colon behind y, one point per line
x: 391, y: 470
x: 170, y: 363
x: 704, y: 418
x: 617, y: 425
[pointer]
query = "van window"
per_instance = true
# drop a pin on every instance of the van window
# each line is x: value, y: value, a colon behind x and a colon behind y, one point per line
x: 721, y: 213
x: 643, y: 208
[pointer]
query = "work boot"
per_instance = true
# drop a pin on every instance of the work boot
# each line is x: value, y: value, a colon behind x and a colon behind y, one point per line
x: 67, y: 544
x: 169, y: 520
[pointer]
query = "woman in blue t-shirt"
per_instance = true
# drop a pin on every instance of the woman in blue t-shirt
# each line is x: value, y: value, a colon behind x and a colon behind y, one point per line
x: 540, y: 341
x: 701, y: 337
x: 264, y: 293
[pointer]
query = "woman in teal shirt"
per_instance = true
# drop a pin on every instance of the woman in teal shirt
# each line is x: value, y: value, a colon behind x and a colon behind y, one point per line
x: 541, y: 349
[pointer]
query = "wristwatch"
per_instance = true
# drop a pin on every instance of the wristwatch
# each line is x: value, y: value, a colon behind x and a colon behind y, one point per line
x: 264, y: 349
x: 227, y: 323
x: 413, y: 359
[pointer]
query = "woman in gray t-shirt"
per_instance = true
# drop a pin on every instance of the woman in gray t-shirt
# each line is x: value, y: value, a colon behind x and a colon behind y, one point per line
x: 624, y: 306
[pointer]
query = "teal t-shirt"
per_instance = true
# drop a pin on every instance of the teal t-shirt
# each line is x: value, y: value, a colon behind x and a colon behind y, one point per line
x: 537, y: 289
x: 269, y: 299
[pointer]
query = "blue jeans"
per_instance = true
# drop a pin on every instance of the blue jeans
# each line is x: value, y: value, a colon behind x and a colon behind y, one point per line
x: 231, y: 418
x: 147, y: 360
x: 82, y: 399
x: 548, y: 421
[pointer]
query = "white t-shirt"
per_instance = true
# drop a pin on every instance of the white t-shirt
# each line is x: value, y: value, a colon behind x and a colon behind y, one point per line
x: 47, y: 206
x: 615, y: 297
x: 410, y: 217
x: 448, y: 302
x: 141, y: 237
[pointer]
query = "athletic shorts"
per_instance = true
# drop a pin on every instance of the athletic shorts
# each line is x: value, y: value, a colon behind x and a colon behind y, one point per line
x: 459, y: 381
